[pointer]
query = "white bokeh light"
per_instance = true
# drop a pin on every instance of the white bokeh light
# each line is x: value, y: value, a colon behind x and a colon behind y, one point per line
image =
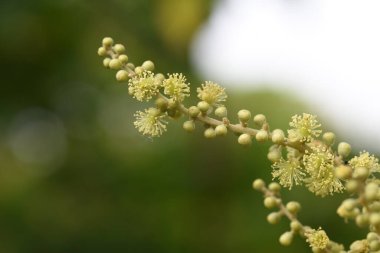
x: 327, y: 52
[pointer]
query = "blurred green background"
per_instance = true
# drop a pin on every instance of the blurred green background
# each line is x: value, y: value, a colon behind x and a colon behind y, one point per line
x: 75, y: 176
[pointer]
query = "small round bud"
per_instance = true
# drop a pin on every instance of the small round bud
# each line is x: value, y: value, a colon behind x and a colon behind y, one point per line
x: 374, y: 219
x: 371, y: 191
x: 329, y: 138
x: 349, y: 204
x: 119, y: 48
x: 194, y: 111
x: 221, y: 130
x: 278, y: 136
x: 352, y: 186
x: 115, y: 64
x: 172, y: 104
x: 159, y: 78
x: 286, y: 238
x: 295, y: 226
x: 344, y: 149
x: 374, y: 245
x: 343, y: 172
x: 210, y: 133
x: 106, y: 62
x: 293, y: 207
x: 274, y: 155
x: 203, y: 106
x: 270, y: 202
x: 221, y: 112
x: 123, y: 58
x: 245, y: 140
x: 372, y: 236
x: 131, y: 66
x: 274, y: 187
x: 274, y: 218
x: 102, y: 51
x: 375, y: 206
x: 259, y: 119
x: 362, y: 220
x: 122, y: 75
x: 262, y: 135
x: 360, y: 173
x: 174, y: 113
x: 107, y: 42
x: 358, y: 246
x: 139, y: 70
x: 244, y: 115
x: 161, y: 104
x: 148, y: 65
x: 189, y: 126
x: 258, y: 184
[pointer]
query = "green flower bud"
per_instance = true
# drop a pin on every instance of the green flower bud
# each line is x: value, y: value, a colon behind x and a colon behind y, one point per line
x: 274, y: 218
x: 352, y: 186
x: 360, y: 173
x: 258, y: 184
x: 139, y: 70
x: 259, y: 119
x: 210, y: 133
x: 343, y: 172
x: 148, y: 65
x: 221, y: 112
x: 375, y: 206
x: 245, y: 140
x: 270, y: 202
x: 274, y: 187
x: 123, y: 58
x: 107, y: 42
x: 102, y: 51
x: 203, y: 106
x: 119, y: 48
x: 329, y: 138
x: 159, y: 78
x: 161, y: 104
x: 106, y: 62
x: 244, y: 115
x: 344, y: 149
x: 261, y: 136
x: 349, y: 204
x: 295, y: 226
x: 278, y: 136
x: 293, y: 207
x: 122, y: 75
x: 131, y: 66
x: 286, y: 238
x: 362, y: 220
x: 194, y: 111
x: 115, y: 64
x: 358, y: 246
x: 221, y: 130
x: 189, y: 126
x: 374, y: 245
x: 372, y: 236
x: 174, y: 113
x: 374, y: 219
x: 274, y: 155
x: 371, y: 191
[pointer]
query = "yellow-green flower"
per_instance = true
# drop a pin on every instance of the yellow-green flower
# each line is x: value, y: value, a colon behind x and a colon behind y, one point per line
x: 317, y: 238
x: 143, y: 86
x: 150, y: 122
x: 212, y: 93
x: 365, y: 160
x: 304, y: 128
x: 175, y: 87
x: 288, y: 172
x: 319, y: 164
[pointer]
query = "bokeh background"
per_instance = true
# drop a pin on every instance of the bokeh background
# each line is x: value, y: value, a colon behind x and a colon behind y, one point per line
x: 75, y: 176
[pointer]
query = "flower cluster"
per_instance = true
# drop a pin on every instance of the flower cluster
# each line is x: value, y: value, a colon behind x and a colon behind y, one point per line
x: 308, y: 160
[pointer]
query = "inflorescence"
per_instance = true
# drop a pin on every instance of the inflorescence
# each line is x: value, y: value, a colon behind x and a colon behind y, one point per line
x: 303, y: 156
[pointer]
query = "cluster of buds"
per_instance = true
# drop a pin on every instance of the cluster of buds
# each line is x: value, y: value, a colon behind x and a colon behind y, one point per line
x: 302, y: 155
